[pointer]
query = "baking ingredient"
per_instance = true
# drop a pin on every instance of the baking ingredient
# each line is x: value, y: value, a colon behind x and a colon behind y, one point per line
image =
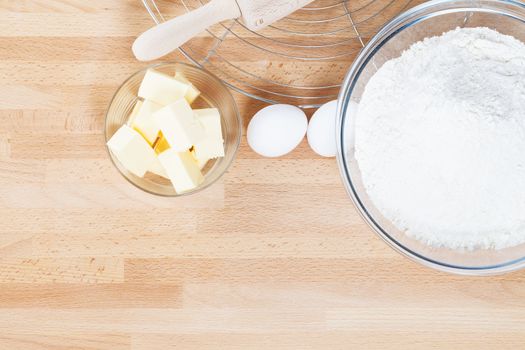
x: 321, y: 130
x: 161, y: 88
x: 182, y: 170
x: 201, y: 162
x: 193, y: 93
x: 212, y: 144
x: 132, y: 150
x: 277, y: 130
x: 134, y: 112
x: 157, y: 169
x: 143, y: 121
x: 161, y: 145
x: 440, y: 140
x: 169, y: 140
x: 179, y: 126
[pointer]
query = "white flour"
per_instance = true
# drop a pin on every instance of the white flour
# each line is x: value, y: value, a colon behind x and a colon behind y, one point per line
x: 440, y: 140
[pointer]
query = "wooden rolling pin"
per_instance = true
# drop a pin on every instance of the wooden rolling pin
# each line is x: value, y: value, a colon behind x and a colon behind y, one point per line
x: 168, y: 36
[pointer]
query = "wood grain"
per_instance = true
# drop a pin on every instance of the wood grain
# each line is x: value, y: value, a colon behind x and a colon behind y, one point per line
x: 272, y: 257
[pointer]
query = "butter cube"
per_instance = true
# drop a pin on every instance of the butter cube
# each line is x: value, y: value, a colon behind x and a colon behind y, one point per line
x: 158, y: 169
x: 161, y: 88
x: 193, y: 93
x: 179, y: 126
x: 201, y: 163
x: 131, y: 150
x: 144, y: 123
x: 211, y: 120
x: 134, y: 112
x: 182, y: 170
x: 212, y: 145
x: 161, y: 145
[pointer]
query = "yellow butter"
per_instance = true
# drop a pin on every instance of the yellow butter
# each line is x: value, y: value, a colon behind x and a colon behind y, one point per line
x: 201, y: 163
x: 181, y: 169
x: 132, y: 150
x: 179, y: 125
x: 161, y: 145
x: 158, y: 169
x: 212, y: 144
x: 161, y: 88
x: 134, y: 112
x: 193, y: 93
x: 143, y: 121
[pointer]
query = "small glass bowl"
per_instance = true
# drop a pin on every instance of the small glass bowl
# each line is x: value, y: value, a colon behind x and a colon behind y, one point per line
x: 432, y: 18
x: 213, y: 94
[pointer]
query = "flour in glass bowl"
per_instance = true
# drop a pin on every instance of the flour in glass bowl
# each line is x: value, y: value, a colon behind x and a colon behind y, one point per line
x: 440, y: 140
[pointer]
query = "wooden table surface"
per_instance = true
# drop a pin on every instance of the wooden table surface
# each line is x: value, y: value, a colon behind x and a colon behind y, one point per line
x: 272, y: 257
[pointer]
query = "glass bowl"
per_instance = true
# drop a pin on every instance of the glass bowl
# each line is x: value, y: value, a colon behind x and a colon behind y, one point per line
x: 213, y: 94
x: 429, y: 19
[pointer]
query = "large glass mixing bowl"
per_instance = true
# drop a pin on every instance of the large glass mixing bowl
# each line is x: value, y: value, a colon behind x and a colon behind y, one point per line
x: 427, y: 20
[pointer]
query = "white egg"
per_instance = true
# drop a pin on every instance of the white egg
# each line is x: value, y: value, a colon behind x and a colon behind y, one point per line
x: 321, y: 131
x: 277, y: 130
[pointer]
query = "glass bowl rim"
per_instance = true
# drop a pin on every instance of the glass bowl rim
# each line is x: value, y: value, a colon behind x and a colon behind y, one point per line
x: 210, y: 76
x: 403, y: 21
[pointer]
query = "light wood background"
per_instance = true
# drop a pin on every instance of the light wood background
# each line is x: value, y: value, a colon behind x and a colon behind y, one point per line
x: 272, y: 257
